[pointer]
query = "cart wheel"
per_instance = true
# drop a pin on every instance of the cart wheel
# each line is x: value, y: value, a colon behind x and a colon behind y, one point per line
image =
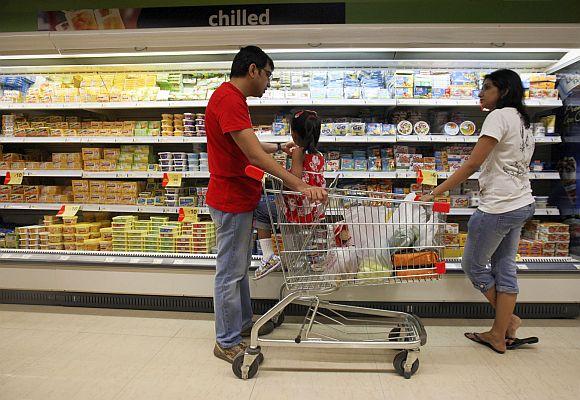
x: 239, y: 361
x: 278, y: 319
x: 399, y: 364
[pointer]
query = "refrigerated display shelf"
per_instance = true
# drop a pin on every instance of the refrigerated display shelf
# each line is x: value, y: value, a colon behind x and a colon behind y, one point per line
x: 526, y: 264
x: 205, y: 175
x: 266, y: 103
x: 550, y: 211
x: 432, y: 138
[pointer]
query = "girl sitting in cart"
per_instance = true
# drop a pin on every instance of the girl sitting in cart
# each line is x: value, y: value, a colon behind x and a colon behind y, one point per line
x: 307, y: 163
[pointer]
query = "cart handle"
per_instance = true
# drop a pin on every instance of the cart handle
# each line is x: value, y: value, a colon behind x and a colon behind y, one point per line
x: 438, y: 206
x: 254, y: 172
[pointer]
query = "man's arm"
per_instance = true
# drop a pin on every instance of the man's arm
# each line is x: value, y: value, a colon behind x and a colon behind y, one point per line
x: 250, y: 146
x: 269, y: 148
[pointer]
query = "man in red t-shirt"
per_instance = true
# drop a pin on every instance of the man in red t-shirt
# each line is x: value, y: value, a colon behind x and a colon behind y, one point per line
x: 232, y: 196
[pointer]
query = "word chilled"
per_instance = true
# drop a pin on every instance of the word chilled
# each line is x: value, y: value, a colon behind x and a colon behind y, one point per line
x: 239, y: 18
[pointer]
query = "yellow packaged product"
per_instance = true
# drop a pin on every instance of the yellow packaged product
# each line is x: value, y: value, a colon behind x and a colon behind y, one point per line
x: 81, y: 237
x: 70, y: 220
x: 56, y: 246
x: 92, y: 245
x: 68, y: 238
x: 111, y: 154
x: 55, y: 238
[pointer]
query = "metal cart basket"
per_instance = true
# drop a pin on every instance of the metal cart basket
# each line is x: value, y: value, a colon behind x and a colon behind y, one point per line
x: 356, y: 238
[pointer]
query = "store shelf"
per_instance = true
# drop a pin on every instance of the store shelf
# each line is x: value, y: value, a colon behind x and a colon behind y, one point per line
x: 94, y: 207
x: 104, y: 139
x: 266, y: 103
x: 205, y: 175
x: 140, y: 259
x: 433, y: 138
x: 62, y: 173
x: 539, y: 211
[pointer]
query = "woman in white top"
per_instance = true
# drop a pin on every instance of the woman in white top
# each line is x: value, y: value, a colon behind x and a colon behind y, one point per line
x: 504, y: 151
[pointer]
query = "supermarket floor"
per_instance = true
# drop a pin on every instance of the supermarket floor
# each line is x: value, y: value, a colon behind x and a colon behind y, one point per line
x: 70, y: 353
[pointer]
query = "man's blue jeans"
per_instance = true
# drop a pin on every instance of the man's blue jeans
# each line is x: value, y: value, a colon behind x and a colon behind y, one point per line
x: 232, y: 303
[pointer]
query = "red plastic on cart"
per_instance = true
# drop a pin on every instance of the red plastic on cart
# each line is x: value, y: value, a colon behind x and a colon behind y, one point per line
x: 440, y: 267
x: 417, y: 198
x: 442, y: 207
x: 254, y: 172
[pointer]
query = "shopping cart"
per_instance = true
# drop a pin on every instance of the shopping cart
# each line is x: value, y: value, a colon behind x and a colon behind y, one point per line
x: 357, y: 238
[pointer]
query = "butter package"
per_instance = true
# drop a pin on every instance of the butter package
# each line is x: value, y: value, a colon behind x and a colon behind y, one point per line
x: 92, y: 153
x: 111, y: 154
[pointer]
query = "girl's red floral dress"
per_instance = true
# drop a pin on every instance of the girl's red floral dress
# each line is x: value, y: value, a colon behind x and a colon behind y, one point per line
x: 298, y: 209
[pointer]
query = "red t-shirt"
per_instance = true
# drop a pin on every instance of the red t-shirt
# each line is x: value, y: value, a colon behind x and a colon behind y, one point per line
x: 230, y: 190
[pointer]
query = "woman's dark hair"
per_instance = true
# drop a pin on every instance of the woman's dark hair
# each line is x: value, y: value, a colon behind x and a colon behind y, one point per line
x: 306, y: 124
x: 511, y: 91
x: 247, y: 56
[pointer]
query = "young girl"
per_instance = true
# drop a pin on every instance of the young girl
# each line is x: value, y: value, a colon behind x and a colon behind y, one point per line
x: 504, y: 151
x: 308, y: 164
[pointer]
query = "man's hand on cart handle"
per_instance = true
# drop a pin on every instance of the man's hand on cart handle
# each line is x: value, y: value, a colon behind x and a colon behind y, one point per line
x: 288, y: 147
x: 314, y: 193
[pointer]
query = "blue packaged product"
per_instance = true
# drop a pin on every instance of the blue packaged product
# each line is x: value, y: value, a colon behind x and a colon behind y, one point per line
x: 360, y: 164
x: 375, y: 164
x: 347, y: 164
x: 359, y: 154
x: 374, y: 128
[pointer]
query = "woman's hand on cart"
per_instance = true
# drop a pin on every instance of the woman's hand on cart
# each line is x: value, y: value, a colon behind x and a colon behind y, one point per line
x: 427, y: 198
x: 314, y: 193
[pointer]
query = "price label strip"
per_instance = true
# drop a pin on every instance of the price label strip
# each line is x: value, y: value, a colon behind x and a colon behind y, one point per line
x: 188, y: 214
x: 427, y: 177
x: 68, y: 210
x: 172, y: 179
x: 14, y: 177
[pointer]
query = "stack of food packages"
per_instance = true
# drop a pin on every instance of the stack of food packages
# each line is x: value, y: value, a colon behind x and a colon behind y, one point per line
x: 125, y: 158
x: 156, y: 195
x: 158, y: 234
x: 89, y: 191
x: 94, y: 87
x: 187, y: 124
x: 453, y: 240
x: 56, y: 125
x: 545, y: 239
x: 8, y: 238
x: 124, y: 233
x: 35, y: 194
x: 182, y: 162
x: 68, y: 235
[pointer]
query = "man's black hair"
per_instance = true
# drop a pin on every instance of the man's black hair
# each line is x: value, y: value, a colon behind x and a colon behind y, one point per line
x: 247, y: 56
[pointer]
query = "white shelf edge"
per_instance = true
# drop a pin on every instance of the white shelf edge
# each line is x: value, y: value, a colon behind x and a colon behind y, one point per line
x: 205, y: 175
x: 433, y: 138
x: 265, y: 103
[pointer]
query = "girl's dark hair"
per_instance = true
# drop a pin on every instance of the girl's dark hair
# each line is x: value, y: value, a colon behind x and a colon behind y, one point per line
x: 511, y: 91
x: 306, y: 124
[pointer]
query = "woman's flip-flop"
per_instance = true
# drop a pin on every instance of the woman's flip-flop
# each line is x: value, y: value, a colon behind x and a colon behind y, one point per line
x: 473, y: 336
x: 516, y: 343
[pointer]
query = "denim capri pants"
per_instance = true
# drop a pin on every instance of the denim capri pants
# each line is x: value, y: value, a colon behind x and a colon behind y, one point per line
x: 491, y: 248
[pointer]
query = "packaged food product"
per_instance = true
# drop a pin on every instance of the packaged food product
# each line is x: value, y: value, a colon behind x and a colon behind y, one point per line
x: 421, y: 128
x: 467, y: 128
x: 451, y: 128
x: 405, y: 128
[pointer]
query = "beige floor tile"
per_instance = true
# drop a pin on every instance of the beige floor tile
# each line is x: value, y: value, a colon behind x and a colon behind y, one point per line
x: 186, y: 369
x: 539, y: 373
x: 92, y: 356
x: 55, y: 388
x: 319, y: 385
x: 50, y: 321
x: 21, y: 347
x: 130, y: 325
x: 197, y: 329
x: 445, y: 373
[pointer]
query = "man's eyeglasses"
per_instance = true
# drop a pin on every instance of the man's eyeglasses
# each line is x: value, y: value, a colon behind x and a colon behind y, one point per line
x: 268, y: 73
